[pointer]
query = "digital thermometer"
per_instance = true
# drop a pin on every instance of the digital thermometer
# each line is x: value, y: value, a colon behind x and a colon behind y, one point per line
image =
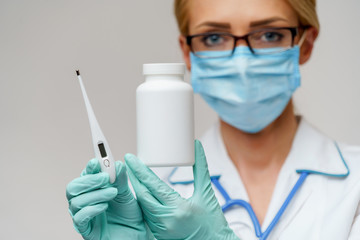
x: 101, y: 146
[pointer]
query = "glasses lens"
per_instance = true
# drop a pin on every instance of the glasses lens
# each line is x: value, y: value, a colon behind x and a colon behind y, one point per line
x: 269, y: 41
x: 212, y: 45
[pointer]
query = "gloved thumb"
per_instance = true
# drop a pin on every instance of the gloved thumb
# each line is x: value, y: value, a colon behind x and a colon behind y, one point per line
x: 202, y: 181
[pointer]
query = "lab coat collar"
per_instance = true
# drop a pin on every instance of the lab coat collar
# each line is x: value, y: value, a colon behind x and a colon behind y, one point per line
x: 315, y: 153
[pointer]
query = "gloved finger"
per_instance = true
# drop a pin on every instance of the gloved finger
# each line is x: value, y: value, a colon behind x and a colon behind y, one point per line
x: 156, y: 225
x: 202, y: 182
x: 124, y: 195
x: 154, y: 212
x: 83, y: 217
x: 152, y: 209
x: 91, y: 198
x: 121, y: 181
x: 87, y: 183
x: 144, y: 197
x: 92, y: 167
x: 165, y: 194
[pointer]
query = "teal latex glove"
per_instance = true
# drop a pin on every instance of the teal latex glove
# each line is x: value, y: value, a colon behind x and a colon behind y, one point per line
x: 168, y: 215
x: 104, y: 211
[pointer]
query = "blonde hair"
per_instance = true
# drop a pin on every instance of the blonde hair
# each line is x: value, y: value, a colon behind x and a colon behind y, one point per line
x: 306, y: 10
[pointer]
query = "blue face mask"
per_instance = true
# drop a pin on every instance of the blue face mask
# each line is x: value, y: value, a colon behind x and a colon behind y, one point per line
x: 247, y: 91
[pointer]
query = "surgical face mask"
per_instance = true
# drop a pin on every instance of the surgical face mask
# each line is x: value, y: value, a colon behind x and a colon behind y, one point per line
x: 247, y: 91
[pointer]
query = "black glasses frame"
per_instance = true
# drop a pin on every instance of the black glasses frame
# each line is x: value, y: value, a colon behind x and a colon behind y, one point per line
x: 294, y: 32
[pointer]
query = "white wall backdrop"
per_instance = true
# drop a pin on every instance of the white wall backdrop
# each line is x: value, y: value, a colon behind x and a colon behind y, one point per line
x: 44, y: 133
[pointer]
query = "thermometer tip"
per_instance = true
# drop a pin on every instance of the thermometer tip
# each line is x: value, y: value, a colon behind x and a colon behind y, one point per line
x: 78, y: 72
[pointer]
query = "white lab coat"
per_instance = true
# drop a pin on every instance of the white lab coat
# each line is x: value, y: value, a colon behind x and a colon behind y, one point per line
x: 325, y: 207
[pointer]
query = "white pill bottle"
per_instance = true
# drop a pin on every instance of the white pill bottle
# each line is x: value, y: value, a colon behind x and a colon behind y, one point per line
x: 165, y: 116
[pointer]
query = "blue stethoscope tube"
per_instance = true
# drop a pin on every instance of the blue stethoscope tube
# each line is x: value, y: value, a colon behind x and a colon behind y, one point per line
x: 231, y: 202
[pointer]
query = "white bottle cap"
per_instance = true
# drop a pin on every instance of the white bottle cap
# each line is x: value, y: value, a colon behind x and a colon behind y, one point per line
x: 164, y: 68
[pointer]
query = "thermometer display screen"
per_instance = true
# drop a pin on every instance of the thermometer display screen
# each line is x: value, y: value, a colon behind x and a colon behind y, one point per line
x: 102, y: 150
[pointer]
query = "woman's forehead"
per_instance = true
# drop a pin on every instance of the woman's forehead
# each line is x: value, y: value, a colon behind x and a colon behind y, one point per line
x: 239, y: 13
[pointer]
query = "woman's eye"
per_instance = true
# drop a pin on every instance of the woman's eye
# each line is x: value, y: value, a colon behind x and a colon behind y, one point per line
x: 213, y: 40
x: 271, y: 37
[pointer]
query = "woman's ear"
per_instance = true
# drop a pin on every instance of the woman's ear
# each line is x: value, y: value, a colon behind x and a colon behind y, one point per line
x: 186, y: 51
x: 307, y: 46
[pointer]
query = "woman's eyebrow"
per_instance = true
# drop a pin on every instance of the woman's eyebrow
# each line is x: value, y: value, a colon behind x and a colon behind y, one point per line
x: 215, y: 24
x: 266, y: 21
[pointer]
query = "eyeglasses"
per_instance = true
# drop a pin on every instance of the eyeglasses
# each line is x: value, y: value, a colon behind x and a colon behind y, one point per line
x: 273, y: 40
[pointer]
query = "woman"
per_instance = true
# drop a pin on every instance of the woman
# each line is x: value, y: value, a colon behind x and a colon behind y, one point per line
x: 292, y: 182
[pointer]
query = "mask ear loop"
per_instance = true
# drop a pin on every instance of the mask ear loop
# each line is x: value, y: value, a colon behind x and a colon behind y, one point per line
x: 302, y: 39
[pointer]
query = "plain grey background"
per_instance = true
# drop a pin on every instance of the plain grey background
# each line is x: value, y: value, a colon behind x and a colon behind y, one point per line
x: 45, y: 137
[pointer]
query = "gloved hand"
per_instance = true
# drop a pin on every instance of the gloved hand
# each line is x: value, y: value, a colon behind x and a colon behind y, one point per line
x: 104, y: 211
x: 168, y: 215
